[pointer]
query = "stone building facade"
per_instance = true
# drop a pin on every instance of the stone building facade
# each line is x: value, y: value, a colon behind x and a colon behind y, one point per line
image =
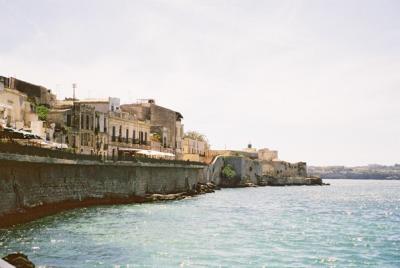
x: 163, y: 121
x: 127, y: 133
x: 37, y: 94
x: 18, y: 112
x: 75, y: 126
x: 267, y: 154
x: 194, y: 150
x: 121, y: 131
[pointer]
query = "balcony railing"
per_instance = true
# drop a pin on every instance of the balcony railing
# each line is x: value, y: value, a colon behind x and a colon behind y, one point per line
x: 130, y: 142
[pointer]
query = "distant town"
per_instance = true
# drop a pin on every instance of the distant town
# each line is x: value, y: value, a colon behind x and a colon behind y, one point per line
x: 369, y: 172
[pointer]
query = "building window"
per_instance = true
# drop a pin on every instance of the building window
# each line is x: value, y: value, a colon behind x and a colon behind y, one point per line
x: 82, y: 121
x: 68, y: 120
x: 133, y: 136
x: 87, y: 122
x: 105, y: 124
x: 127, y: 135
x: 113, y: 134
x: 98, y: 123
x: 145, y: 137
x: 120, y: 134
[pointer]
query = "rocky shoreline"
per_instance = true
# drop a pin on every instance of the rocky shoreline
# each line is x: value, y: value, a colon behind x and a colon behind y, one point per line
x: 17, y: 260
x: 201, y: 188
x: 29, y: 214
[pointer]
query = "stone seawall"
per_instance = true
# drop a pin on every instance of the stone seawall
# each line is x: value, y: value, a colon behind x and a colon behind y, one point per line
x: 28, y: 183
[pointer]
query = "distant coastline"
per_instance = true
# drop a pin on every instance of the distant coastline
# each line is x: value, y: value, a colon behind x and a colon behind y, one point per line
x: 370, y: 172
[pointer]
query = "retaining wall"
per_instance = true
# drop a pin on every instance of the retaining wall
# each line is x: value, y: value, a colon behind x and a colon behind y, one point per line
x: 29, y: 181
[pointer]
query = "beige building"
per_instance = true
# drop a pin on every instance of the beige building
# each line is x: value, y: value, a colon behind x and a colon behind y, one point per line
x: 101, y: 121
x: 75, y: 126
x: 17, y: 112
x: 267, y: 155
x: 120, y: 131
x: 165, y: 122
x: 194, y: 150
x: 126, y: 133
x: 38, y: 95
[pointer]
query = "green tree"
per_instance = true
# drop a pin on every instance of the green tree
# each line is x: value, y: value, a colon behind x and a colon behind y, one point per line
x: 228, y: 171
x: 42, y: 112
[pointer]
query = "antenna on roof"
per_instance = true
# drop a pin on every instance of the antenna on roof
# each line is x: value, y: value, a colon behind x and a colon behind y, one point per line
x: 73, y: 90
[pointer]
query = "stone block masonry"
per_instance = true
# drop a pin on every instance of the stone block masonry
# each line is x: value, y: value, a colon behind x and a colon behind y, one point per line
x: 251, y: 172
x: 30, y: 183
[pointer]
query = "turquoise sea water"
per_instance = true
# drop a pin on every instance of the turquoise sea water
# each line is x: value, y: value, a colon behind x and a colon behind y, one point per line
x: 348, y: 224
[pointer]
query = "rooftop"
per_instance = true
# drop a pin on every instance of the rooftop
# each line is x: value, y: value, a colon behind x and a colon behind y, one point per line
x: 94, y: 101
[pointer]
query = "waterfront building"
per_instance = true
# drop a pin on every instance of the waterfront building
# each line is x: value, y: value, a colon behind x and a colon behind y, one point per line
x: 194, y: 149
x: 120, y: 131
x: 74, y: 124
x: 18, y: 112
x: 164, y: 122
x: 101, y: 121
x: 127, y: 134
x: 38, y: 95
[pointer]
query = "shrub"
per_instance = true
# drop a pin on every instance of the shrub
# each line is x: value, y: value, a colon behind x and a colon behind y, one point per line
x: 42, y: 112
x: 228, y: 172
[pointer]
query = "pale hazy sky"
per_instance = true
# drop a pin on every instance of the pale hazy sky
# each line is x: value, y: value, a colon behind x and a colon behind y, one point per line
x: 317, y: 80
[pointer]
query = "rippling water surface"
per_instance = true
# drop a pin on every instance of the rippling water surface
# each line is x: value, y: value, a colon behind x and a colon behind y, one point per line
x: 348, y: 224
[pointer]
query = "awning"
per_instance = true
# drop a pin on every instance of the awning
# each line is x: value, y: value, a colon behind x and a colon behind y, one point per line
x: 146, y: 152
x: 20, y: 134
x: 49, y: 144
x: 154, y: 153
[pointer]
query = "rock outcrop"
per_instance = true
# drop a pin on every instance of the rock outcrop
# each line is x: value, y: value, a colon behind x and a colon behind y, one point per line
x: 19, y: 260
x: 201, y: 188
x: 252, y: 172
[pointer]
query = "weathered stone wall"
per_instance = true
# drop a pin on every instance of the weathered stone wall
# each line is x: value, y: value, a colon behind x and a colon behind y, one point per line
x: 27, y: 182
x: 247, y: 171
x: 257, y: 172
x: 267, y: 155
x: 281, y: 169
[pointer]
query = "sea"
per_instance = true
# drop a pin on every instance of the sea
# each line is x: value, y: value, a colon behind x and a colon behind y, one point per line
x: 351, y: 223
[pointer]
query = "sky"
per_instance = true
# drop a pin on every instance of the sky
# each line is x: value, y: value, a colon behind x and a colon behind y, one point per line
x: 319, y: 81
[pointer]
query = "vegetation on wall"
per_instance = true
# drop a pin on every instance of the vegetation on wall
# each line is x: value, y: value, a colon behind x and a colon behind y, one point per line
x: 195, y: 136
x: 42, y: 112
x: 156, y: 137
x: 228, y: 171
